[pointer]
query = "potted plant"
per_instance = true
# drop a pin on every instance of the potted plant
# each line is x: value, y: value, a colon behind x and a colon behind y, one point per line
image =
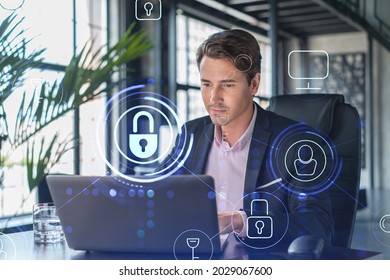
x: 86, y: 77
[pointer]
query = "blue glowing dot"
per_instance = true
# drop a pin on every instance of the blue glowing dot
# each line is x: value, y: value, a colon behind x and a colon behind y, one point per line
x: 170, y: 194
x: 150, y: 214
x: 150, y: 193
x: 150, y: 81
x: 112, y: 192
x: 69, y: 229
x: 211, y: 195
x: 150, y: 203
x: 141, y: 193
x: 69, y: 191
x: 95, y: 192
x: 302, y: 197
x: 150, y: 224
x: 141, y: 233
x: 131, y: 193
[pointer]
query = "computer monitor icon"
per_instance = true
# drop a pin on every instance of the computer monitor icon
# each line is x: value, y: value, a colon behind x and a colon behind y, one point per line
x: 299, y: 55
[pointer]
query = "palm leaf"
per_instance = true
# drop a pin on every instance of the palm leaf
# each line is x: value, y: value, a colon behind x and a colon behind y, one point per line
x: 85, y: 78
x: 46, y: 159
x: 14, y: 60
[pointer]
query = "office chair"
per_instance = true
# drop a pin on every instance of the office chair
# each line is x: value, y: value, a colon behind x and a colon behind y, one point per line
x: 340, y: 121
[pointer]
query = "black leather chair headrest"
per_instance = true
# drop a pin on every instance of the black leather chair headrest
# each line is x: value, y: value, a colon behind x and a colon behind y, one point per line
x: 318, y: 108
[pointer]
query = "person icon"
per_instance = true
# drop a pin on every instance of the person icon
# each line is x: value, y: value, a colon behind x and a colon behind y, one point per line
x: 3, y: 254
x: 305, y: 164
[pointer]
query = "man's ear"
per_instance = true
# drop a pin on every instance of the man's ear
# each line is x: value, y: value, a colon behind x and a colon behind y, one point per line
x: 255, y: 83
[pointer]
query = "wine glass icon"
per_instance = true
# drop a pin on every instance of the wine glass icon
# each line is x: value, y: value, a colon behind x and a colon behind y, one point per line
x: 193, y: 242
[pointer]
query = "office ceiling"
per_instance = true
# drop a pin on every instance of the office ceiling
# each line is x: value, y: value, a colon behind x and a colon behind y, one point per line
x: 296, y: 18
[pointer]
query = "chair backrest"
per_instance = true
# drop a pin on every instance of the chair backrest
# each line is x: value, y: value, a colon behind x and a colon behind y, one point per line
x: 340, y: 121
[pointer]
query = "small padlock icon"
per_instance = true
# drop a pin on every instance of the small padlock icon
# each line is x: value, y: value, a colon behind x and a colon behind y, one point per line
x: 143, y: 145
x: 259, y: 227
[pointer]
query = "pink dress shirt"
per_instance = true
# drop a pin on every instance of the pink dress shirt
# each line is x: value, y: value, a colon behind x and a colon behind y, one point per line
x: 227, y: 165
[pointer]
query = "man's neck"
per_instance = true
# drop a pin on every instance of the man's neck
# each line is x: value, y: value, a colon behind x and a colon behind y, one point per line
x: 233, y: 131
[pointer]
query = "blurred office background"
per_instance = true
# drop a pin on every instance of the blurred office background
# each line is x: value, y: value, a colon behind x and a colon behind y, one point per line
x: 354, y: 33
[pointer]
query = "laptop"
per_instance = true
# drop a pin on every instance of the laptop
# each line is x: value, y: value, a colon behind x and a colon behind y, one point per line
x: 176, y: 215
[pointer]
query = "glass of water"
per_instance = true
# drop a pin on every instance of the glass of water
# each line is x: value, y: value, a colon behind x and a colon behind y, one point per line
x: 46, y: 224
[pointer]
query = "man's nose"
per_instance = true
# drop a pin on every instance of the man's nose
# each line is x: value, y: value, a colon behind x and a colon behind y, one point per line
x: 216, y: 94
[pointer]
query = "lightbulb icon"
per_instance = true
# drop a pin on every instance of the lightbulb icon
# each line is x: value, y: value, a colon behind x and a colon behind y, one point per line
x: 148, y: 8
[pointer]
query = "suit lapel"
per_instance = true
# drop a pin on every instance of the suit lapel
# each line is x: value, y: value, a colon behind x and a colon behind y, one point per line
x: 202, y: 149
x: 257, y: 150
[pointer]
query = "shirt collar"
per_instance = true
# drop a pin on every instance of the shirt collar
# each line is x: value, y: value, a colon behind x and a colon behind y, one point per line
x: 244, y: 139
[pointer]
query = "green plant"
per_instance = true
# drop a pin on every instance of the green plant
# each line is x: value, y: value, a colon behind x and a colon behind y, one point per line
x: 14, y: 58
x: 86, y: 77
x: 14, y: 62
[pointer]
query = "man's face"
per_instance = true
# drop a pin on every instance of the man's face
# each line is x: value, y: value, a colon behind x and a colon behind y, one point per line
x: 226, y: 93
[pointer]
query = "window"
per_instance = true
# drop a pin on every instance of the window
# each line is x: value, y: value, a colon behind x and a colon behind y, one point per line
x: 61, y: 27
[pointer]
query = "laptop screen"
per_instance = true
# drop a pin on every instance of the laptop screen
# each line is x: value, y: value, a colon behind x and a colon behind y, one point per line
x: 176, y: 215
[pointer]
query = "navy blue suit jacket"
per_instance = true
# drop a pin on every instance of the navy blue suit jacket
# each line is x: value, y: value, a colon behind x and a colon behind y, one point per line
x: 310, y: 216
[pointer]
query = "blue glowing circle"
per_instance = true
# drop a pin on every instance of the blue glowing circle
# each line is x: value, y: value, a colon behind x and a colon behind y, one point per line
x: 150, y: 203
x: 284, y: 163
x: 141, y: 193
x: 131, y: 193
x: 150, y: 193
x: 381, y: 226
x: 170, y: 194
x: 113, y: 193
x: 262, y: 201
x: 69, y: 229
x: 211, y: 195
x: 69, y: 191
x: 150, y: 81
x: 141, y: 233
x: 144, y: 99
x: 150, y: 224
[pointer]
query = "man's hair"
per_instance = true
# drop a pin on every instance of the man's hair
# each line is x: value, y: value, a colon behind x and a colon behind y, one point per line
x: 239, y: 46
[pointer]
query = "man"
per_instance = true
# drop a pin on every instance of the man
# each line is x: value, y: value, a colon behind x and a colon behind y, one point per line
x: 233, y: 143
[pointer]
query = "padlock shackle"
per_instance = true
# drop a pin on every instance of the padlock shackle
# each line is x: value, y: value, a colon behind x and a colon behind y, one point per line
x: 146, y: 114
x: 260, y: 200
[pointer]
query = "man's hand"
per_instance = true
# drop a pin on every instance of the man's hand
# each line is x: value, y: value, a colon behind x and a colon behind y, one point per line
x: 230, y: 221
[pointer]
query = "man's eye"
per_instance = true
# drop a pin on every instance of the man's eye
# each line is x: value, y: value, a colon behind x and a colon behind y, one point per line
x: 205, y: 84
x: 228, y: 85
